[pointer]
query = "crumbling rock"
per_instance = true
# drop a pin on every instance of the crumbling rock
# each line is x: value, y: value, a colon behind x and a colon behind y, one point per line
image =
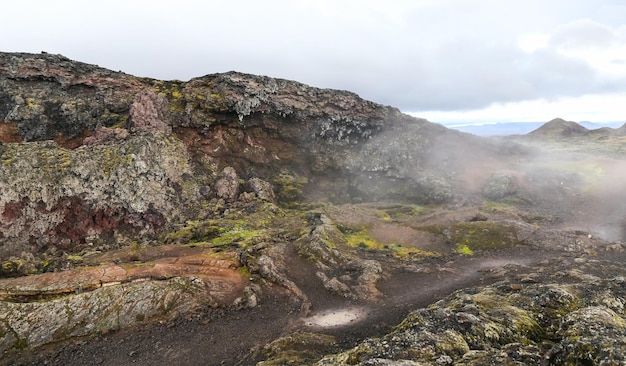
x: 353, y: 278
x: 147, y: 113
x: 264, y: 190
x: 227, y: 186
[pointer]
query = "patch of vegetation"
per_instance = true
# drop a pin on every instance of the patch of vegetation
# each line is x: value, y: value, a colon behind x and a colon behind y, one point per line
x: 477, y: 236
x: 405, y: 211
x: 216, y: 233
x: 362, y: 239
x: 489, y: 205
x: 289, y: 187
x: 239, y: 226
x: 464, y: 249
x: 239, y: 235
x: 171, y: 90
x: 74, y: 258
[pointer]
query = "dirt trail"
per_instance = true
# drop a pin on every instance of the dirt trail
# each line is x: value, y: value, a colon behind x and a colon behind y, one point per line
x: 406, y: 290
x: 221, y: 337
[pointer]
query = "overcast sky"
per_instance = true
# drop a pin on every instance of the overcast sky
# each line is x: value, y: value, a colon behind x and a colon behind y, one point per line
x: 450, y: 61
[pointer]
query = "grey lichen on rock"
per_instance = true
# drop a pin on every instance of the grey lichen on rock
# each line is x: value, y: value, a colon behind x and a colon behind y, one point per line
x: 46, y: 95
x: 43, y: 183
x: 501, y: 185
x: 494, y: 325
x: 227, y: 186
x: 108, y: 308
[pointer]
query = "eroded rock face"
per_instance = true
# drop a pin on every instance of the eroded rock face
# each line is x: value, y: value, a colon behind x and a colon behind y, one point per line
x: 45, y: 97
x: 148, y: 111
x: 57, y: 197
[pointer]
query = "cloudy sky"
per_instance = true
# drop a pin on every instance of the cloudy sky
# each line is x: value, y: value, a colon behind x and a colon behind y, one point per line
x: 450, y: 61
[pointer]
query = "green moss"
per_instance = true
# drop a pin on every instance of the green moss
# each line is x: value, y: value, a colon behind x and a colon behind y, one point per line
x: 196, y: 231
x: 244, y: 272
x: 497, y: 206
x: 171, y: 90
x: 470, y: 237
x: 241, y: 227
x: 9, y: 266
x: 464, y: 249
x: 241, y: 236
x: 362, y: 239
x: 289, y: 187
x: 74, y: 258
x: 397, y: 212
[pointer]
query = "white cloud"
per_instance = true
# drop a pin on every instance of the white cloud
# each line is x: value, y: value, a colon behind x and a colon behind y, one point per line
x: 531, y: 42
x: 594, y: 108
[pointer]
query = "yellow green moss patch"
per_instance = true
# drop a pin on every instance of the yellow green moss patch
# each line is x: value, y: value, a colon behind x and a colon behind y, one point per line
x: 241, y: 236
x: 464, y: 249
x: 470, y: 237
x: 363, y: 240
x: 397, y: 212
x: 74, y: 258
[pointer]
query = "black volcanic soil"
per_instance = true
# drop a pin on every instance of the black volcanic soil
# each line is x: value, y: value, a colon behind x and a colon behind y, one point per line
x: 222, y: 337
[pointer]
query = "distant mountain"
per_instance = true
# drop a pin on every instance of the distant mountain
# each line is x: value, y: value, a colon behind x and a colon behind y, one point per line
x: 560, y: 128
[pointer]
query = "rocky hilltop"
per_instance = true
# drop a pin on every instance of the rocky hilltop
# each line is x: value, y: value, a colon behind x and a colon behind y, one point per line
x: 263, y: 220
x: 560, y: 127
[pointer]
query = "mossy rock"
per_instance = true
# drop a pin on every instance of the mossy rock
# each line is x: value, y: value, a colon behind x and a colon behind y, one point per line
x: 296, y: 349
x: 289, y: 187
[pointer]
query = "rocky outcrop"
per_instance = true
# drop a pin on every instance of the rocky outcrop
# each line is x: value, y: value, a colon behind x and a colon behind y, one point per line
x: 501, y: 185
x: 55, y: 198
x: 46, y: 97
x: 53, y: 307
x: 521, y: 324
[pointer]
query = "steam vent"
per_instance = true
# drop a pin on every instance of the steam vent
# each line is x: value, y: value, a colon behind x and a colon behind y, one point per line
x: 241, y: 219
